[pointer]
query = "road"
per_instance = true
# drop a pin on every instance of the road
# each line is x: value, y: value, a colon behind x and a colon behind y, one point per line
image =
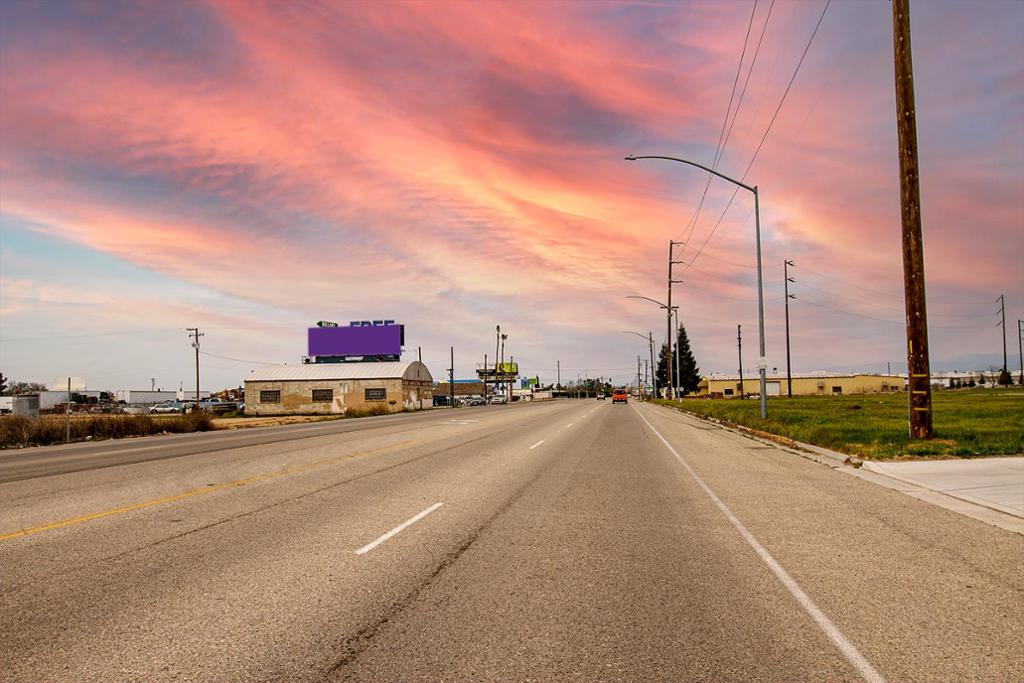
x: 572, y: 540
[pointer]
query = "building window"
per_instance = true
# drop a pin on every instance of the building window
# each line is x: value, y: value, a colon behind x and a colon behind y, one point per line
x: 270, y: 396
x: 323, y: 395
x: 837, y: 390
x: 728, y: 392
x: 375, y: 394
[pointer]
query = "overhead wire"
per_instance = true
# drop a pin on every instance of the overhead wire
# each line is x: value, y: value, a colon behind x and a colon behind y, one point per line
x: 883, y: 320
x: 886, y: 308
x: 719, y: 147
x: 237, y: 360
x: 720, y: 151
x: 764, y: 137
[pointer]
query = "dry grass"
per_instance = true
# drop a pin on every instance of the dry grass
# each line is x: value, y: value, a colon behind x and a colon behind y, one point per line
x: 17, y: 431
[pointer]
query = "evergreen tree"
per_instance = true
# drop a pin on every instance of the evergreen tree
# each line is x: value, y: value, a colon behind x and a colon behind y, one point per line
x: 662, y: 375
x: 689, y: 373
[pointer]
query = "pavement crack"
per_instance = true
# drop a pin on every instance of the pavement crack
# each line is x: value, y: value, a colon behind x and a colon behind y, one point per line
x: 359, y: 641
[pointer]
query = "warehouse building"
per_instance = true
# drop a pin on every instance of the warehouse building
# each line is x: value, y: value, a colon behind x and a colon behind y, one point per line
x: 727, y: 386
x: 336, y: 388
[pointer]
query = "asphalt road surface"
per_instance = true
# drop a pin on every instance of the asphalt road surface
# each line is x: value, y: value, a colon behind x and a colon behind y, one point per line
x: 572, y: 540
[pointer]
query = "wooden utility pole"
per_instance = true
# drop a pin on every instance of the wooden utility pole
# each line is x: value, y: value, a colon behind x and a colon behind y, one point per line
x: 451, y: 379
x: 739, y: 351
x: 918, y: 368
x: 654, y: 378
x: 196, y: 334
x: 1020, y: 350
x: 789, y: 372
x: 1002, y: 324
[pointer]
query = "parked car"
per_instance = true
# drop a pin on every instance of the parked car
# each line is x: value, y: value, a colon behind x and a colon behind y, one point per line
x: 499, y: 399
x: 476, y: 401
x: 217, y: 405
x: 620, y: 396
x: 134, y: 409
x: 172, y: 407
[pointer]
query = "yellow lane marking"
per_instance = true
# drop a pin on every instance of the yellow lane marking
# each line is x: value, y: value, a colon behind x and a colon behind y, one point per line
x: 196, y: 492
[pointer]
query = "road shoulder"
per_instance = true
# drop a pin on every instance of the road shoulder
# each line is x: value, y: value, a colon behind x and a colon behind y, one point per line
x: 958, y: 499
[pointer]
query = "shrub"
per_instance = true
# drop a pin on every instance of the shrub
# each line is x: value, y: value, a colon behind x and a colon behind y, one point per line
x: 376, y: 409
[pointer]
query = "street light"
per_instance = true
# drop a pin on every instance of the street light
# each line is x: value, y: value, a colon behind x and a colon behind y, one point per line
x: 670, y: 391
x: 649, y: 338
x: 762, y: 363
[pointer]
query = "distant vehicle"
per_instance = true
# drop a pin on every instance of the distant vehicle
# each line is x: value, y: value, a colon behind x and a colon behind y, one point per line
x: 476, y: 401
x: 600, y: 397
x: 620, y: 396
x: 217, y: 405
x: 172, y: 407
x: 499, y: 399
x: 134, y: 409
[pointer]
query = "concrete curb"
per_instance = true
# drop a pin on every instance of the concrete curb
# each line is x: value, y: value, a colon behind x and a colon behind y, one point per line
x: 852, y: 466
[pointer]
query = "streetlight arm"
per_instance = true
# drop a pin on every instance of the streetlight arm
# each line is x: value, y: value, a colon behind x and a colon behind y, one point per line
x: 642, y: 336
x: 633, y: 157
x: 647, y: 298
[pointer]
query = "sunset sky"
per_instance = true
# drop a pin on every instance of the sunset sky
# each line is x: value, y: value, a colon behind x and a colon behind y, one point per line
x: 253, y: 167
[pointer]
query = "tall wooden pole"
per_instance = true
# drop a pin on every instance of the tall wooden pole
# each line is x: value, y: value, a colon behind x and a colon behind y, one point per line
x: 670, y: 393
x: 789, y: 371
x: 918, y: 368
x: 451, y: 379
x: 739, y: 352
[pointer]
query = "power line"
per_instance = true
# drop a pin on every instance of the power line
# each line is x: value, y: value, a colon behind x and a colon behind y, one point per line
x: 94, y: 334
x: 887, y: 308
x: 883, y: 320
x: 237, y: 360
x: 766, y: 132
x: 721, y: 153
x: 719, y: 147
x: 728, y: 296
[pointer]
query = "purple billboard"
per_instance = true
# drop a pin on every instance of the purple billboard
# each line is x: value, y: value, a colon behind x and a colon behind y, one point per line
x: 372, y: 340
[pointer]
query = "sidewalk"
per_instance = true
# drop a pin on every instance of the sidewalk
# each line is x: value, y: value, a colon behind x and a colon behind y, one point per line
x: 996, y: 483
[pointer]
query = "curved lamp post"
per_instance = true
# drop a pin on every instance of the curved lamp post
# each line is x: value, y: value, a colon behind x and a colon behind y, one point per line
x: 670, y: 390
x: 649, y: 338
x: 762, y: 363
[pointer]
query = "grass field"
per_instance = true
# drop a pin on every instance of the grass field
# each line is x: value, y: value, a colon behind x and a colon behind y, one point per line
x: 968, y: 422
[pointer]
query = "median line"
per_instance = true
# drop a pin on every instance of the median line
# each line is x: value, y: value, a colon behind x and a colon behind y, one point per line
x: 194, y: 492
x: 398, y: 529
x: 536, y: 444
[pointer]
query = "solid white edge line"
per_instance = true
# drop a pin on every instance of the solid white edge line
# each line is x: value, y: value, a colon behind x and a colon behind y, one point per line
x: 867, y: 671
x: 412, y: 520
x: 536, y: 444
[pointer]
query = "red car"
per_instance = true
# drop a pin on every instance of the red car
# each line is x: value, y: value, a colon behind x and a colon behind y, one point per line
x: 620, y: 396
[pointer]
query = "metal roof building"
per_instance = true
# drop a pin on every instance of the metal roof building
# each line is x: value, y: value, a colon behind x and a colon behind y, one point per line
x: 338, y: 388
